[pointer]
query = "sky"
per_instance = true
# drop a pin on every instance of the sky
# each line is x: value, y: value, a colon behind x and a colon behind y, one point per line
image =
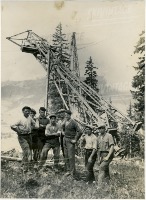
x: 105, y: 30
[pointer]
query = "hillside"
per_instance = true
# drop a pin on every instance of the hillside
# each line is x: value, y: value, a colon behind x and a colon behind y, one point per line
x: 16, y: 94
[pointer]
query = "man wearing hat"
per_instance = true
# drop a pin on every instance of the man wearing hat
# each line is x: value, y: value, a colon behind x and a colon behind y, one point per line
x: 105, y: 146
x: 23, y: 128
x: 90, y: 144
x: 61, y: 120
x: 72, y: 133
x: 42, y: 120
x: 34, y: 135
x: 52, y: 133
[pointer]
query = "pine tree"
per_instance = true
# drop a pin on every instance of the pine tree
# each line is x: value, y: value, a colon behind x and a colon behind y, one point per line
x: 61, y: 45
x: 138, y: 82
x: 130, y: 111
x: 91, y: 75
x: 91, y: 79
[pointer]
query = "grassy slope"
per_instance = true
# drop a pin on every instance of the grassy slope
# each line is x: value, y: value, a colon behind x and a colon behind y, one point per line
x: 127, y: 182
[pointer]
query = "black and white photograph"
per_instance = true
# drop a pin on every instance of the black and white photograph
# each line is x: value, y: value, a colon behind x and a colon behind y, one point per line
x: 72, y: 99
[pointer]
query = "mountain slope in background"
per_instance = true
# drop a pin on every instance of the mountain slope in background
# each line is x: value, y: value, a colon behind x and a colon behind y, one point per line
x: 16, y: 94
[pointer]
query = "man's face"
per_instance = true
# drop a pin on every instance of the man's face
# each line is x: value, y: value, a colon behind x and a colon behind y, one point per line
x: 88, y: 131
x: 61, y: 115
x: 67, y: 116
x: 53, y: 120
x: 42, y: 113
x: 32, y: 114
x: 26, y: 112
x: 102, y: 130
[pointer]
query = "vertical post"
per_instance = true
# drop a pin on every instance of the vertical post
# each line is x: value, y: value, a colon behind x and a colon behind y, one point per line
x: 107, y: 121
x: 68, y: 97
x: 47, y: 82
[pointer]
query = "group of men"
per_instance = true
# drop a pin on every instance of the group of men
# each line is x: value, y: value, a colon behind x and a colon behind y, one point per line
x: 37, y: 136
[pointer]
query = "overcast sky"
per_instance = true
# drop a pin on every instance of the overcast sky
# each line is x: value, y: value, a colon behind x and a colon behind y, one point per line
x: 106, y: 30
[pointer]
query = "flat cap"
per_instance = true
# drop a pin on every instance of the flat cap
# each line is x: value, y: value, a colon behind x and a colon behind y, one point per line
x: 52, y: 115
x: 101, y: 125
x: 32, y: 110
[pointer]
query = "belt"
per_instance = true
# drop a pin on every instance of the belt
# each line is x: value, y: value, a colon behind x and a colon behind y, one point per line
x: 104, y: 151
x: 89, y: 149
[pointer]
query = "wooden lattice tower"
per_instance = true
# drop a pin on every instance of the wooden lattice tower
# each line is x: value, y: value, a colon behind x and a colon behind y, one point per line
x: 76, y: 90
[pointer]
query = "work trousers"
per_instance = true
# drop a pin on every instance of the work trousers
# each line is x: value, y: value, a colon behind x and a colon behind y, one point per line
x: 89, y: 165
x: 26, y: 146
x: 44, y: 154
x: 69, y: 155
x: 104, y: 175
x: 61, y: 143
x: 35, y: 146
x: 41, y: 143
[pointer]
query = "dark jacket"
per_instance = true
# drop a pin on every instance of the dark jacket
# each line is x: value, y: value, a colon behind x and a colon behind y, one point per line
x: 71, y: 130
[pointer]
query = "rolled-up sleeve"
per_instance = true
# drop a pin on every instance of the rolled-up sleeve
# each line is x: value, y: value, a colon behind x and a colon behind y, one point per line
x: 95, y: 144
x: 111, y: 140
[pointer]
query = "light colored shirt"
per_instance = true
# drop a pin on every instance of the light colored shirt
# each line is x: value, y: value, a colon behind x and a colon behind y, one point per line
x: 50, y: 129
x: 90, y: 141
x: 25, y: 125
x: 105, y: 142
x: 52, y: 139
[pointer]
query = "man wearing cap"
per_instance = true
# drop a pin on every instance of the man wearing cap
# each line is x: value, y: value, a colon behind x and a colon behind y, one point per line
x: 52, y: 133
x: 89, y: 140
x: 34, y: 135
x: 105, y: 147
x: 23, y: 129
x: 72, y: 133
x: 61, y: 120
x: 42, y: 120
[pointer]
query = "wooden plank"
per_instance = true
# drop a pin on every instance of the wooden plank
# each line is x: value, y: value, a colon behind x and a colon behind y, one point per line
x: 11, y: 158
x: 61, y: 95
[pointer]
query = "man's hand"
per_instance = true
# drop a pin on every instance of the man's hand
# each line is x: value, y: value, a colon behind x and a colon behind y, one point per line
x: 73, y: 141
x: 98, y: 162
x: 41, y: 125
x: 47, y: 133
x: 57, y: 134
x: 105, y: 158
x: 89, y: 159
x: 63, y: 133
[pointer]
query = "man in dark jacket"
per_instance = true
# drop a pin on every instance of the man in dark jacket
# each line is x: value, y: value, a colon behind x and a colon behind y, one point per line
x: 72, y: 134
x: 42, y: 120
x: 34, y: 135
